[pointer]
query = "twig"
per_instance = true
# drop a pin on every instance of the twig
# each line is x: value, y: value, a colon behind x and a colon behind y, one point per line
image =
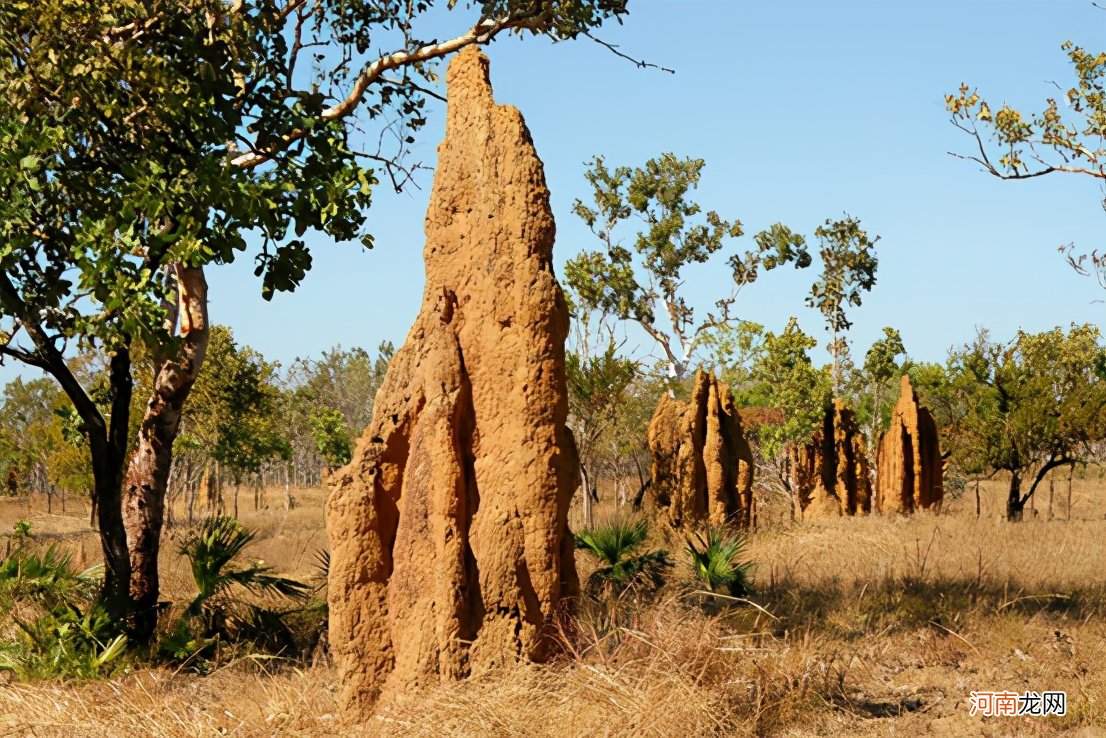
x: 1033, y: 597
x: 734, y: 599
x: 954, y: 633
x: 613, y: 48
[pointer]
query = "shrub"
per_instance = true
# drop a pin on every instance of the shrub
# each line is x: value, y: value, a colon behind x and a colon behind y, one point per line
x: 616, y: 545
x: 717, y: 561
x: 214, y: 615
x: 62, y: 631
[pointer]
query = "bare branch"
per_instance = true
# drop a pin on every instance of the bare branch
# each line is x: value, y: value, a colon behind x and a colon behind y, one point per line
x: 408, y: 83
x: 640, y: 63
x: 481, y: 33
x: 989, y: 168
x: 22, y: 355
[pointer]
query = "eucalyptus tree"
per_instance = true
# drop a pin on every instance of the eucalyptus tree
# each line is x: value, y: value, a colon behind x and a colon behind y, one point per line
x: 1066, y: 136
x: 1031, y: 405
x: 143, y: 141
x: 849, y: 265
x: 881, y: 365
x: 644, y: 282
x: 341, y: 379
x: 792, y: 394
x: 597, y: 392
x: 233, y: 417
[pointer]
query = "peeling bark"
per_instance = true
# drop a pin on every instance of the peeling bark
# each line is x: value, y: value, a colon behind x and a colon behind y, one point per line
x: 147, y: 475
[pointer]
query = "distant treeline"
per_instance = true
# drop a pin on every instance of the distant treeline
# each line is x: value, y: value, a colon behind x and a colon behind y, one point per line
x: 250, y: 424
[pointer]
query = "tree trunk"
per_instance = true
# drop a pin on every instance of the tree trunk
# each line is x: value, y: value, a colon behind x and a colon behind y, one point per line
x: 585, y: 488
x: 220, y: 504
x: 148, y: 473
x: 287, y: 491
x: 1071, y: 473
x: 108, y: 508
x: 1014, y: 502
x: 191, y: 500
x: 785, y: 472
x: 977, y: 498
x: 108, y: 448
x: 210, y: 482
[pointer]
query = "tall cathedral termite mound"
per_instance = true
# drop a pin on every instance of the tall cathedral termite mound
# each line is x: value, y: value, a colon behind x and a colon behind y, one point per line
x: 702, y: 464
x: 910, y: 466
x: 450, y: 548
x: 831, y: 473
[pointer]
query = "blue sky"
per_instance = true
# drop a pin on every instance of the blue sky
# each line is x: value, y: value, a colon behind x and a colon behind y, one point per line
x: 802, y: 111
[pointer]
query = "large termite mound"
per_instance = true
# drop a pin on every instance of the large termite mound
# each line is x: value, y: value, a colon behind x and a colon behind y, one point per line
x: 702, y: 464
x: 450, y: 548
x: 910, y: 465
x: 831, y: 473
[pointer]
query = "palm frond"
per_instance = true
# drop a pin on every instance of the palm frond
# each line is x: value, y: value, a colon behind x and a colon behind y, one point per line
x: 258, y: 578
x: 219, y: 541
x: 717, y: 560
x: 616, y: 545
x: 613, y: 542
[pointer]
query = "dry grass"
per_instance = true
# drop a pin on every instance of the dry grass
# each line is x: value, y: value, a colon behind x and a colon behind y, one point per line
x: 876, y: 626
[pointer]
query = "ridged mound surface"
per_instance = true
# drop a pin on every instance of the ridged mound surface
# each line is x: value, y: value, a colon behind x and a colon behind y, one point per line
x: 450, y: 548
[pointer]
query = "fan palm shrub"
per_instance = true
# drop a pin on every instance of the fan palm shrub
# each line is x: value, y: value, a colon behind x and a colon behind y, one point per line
x: 717, y: 558
x: 617, y: 546
x: 214, y: 614
x: 60, y: 630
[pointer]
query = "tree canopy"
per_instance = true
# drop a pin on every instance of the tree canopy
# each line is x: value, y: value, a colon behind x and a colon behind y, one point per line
x: 848, y: 270
x: 644, y: 282
x: 1011, y: 144
x: 1033, y: 404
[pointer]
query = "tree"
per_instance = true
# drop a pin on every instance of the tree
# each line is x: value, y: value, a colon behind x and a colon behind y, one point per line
x: 792, y: 394
x: 641, y: 282
x: 332, y: 437
x: 40, y: 448
x: 343, y: 380
x: 1013, y: 145
x: 31, y: 430
x: 597, y: 388
x: 1032, y: 405
x: 879, y: 368
x: 233, y: 420
x: 626, y: 453
x: 139, y: 144
x: 934, y: 384
x: 848, y: 268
